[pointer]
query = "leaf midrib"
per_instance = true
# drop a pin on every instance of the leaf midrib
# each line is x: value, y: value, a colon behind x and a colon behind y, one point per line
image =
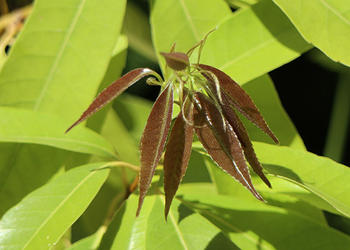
x: 59, y: 56
x: 37, y: 231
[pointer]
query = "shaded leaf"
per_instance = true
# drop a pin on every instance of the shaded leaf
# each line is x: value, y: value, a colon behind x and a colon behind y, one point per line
x: 239, y: 99
x: 112, y: 92
x: 176, y: 60
x: 42, y: 217
x: 177, y: 155
x: 26, y: 126
x: 153, y: 139
x: 329, y: 29
x: 221, y: 142
x: 254, y: 225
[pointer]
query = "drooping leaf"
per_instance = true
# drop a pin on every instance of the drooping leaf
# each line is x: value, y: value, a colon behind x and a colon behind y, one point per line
x: 244, y: 139
x: 177, y: 155
x: 42, y: 217
x: 239, y: 99
x: 112, y: 92
x: 220, y: 141
x: 176, y: 60
x: 252, y: 43
x: 153, y: 139
x: 26, y: 126
x: 324, y: 23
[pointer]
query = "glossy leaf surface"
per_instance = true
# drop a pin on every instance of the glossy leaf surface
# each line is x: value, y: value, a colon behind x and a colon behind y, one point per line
x: 112, y: 92
x: 26, y: 126
x: 329, y: 29
x: 177, y: 155
x: 237, y: 97
x: 153, y: 139
x: 42, y: 217
x: 220, y: 141
x: 176, y: 60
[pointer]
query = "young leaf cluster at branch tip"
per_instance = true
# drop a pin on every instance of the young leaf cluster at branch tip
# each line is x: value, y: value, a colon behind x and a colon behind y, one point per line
x: 209, y: 100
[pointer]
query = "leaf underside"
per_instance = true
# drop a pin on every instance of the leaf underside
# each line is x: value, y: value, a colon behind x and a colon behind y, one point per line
x: 220, y: 141
x: 238, y: 98
x: 112, y: 91
x: 153, y: 139
x: 177, y: 154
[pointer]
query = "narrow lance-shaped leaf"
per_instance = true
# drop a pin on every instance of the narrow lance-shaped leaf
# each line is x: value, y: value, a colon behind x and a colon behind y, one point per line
x: 221, y: 142
x: 153, y: 139
x: 176, y: 60
x: 242, y: 134
x: 239, y: 99
x: 177, y: 153
x: 112, y: 91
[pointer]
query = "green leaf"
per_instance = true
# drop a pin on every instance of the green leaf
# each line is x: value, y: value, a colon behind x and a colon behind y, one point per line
x: 186, y: 22
x: 183, y: 230
x: 324, y: 23
x: 322, y: 176
x: 55, y: 66
x: 254, y: 225
x: 26, y: 126
x: 252, y: 42
x: 62, y: 56
x: 42, y: 217
x: 91, y: 242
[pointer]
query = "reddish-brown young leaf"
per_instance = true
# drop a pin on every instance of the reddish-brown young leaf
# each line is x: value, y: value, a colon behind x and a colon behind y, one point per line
x: 242, y: 134
x: 176, y: 60
x: 221, y: 142
x: 239, y: 99
x: 153, y: 139
x: 112, y: 91
x: 243, y: 137
x: 177, y: 154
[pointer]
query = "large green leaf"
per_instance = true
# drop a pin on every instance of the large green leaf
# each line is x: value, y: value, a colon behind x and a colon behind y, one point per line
x: 186, y: 22
x: 324, y: 23
x: 55, y: 66
x: 322, y: 176
x: 42, y: 217
x: 183, y: 230
x: 26, y: 126
x: 254, y: 225
x: 252, y: 42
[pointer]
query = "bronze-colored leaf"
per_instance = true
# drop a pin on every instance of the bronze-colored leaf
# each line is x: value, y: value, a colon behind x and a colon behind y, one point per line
x: 177, y: 154
x: 113, y: 91
x: 153, y: 139
x: 239, y: 99
x: 243, y: 137
x: 176, y: 60
x: 221, y: 142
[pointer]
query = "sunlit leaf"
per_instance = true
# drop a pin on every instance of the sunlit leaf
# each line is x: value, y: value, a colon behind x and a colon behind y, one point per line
x: 221, y: 142
x: 177, y: 155
x: 153, y: 139
x: 112, y: 92
x: 42, y: 217
x: 26, y: 126
x: 324, y: 23
x: 239, y: 99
